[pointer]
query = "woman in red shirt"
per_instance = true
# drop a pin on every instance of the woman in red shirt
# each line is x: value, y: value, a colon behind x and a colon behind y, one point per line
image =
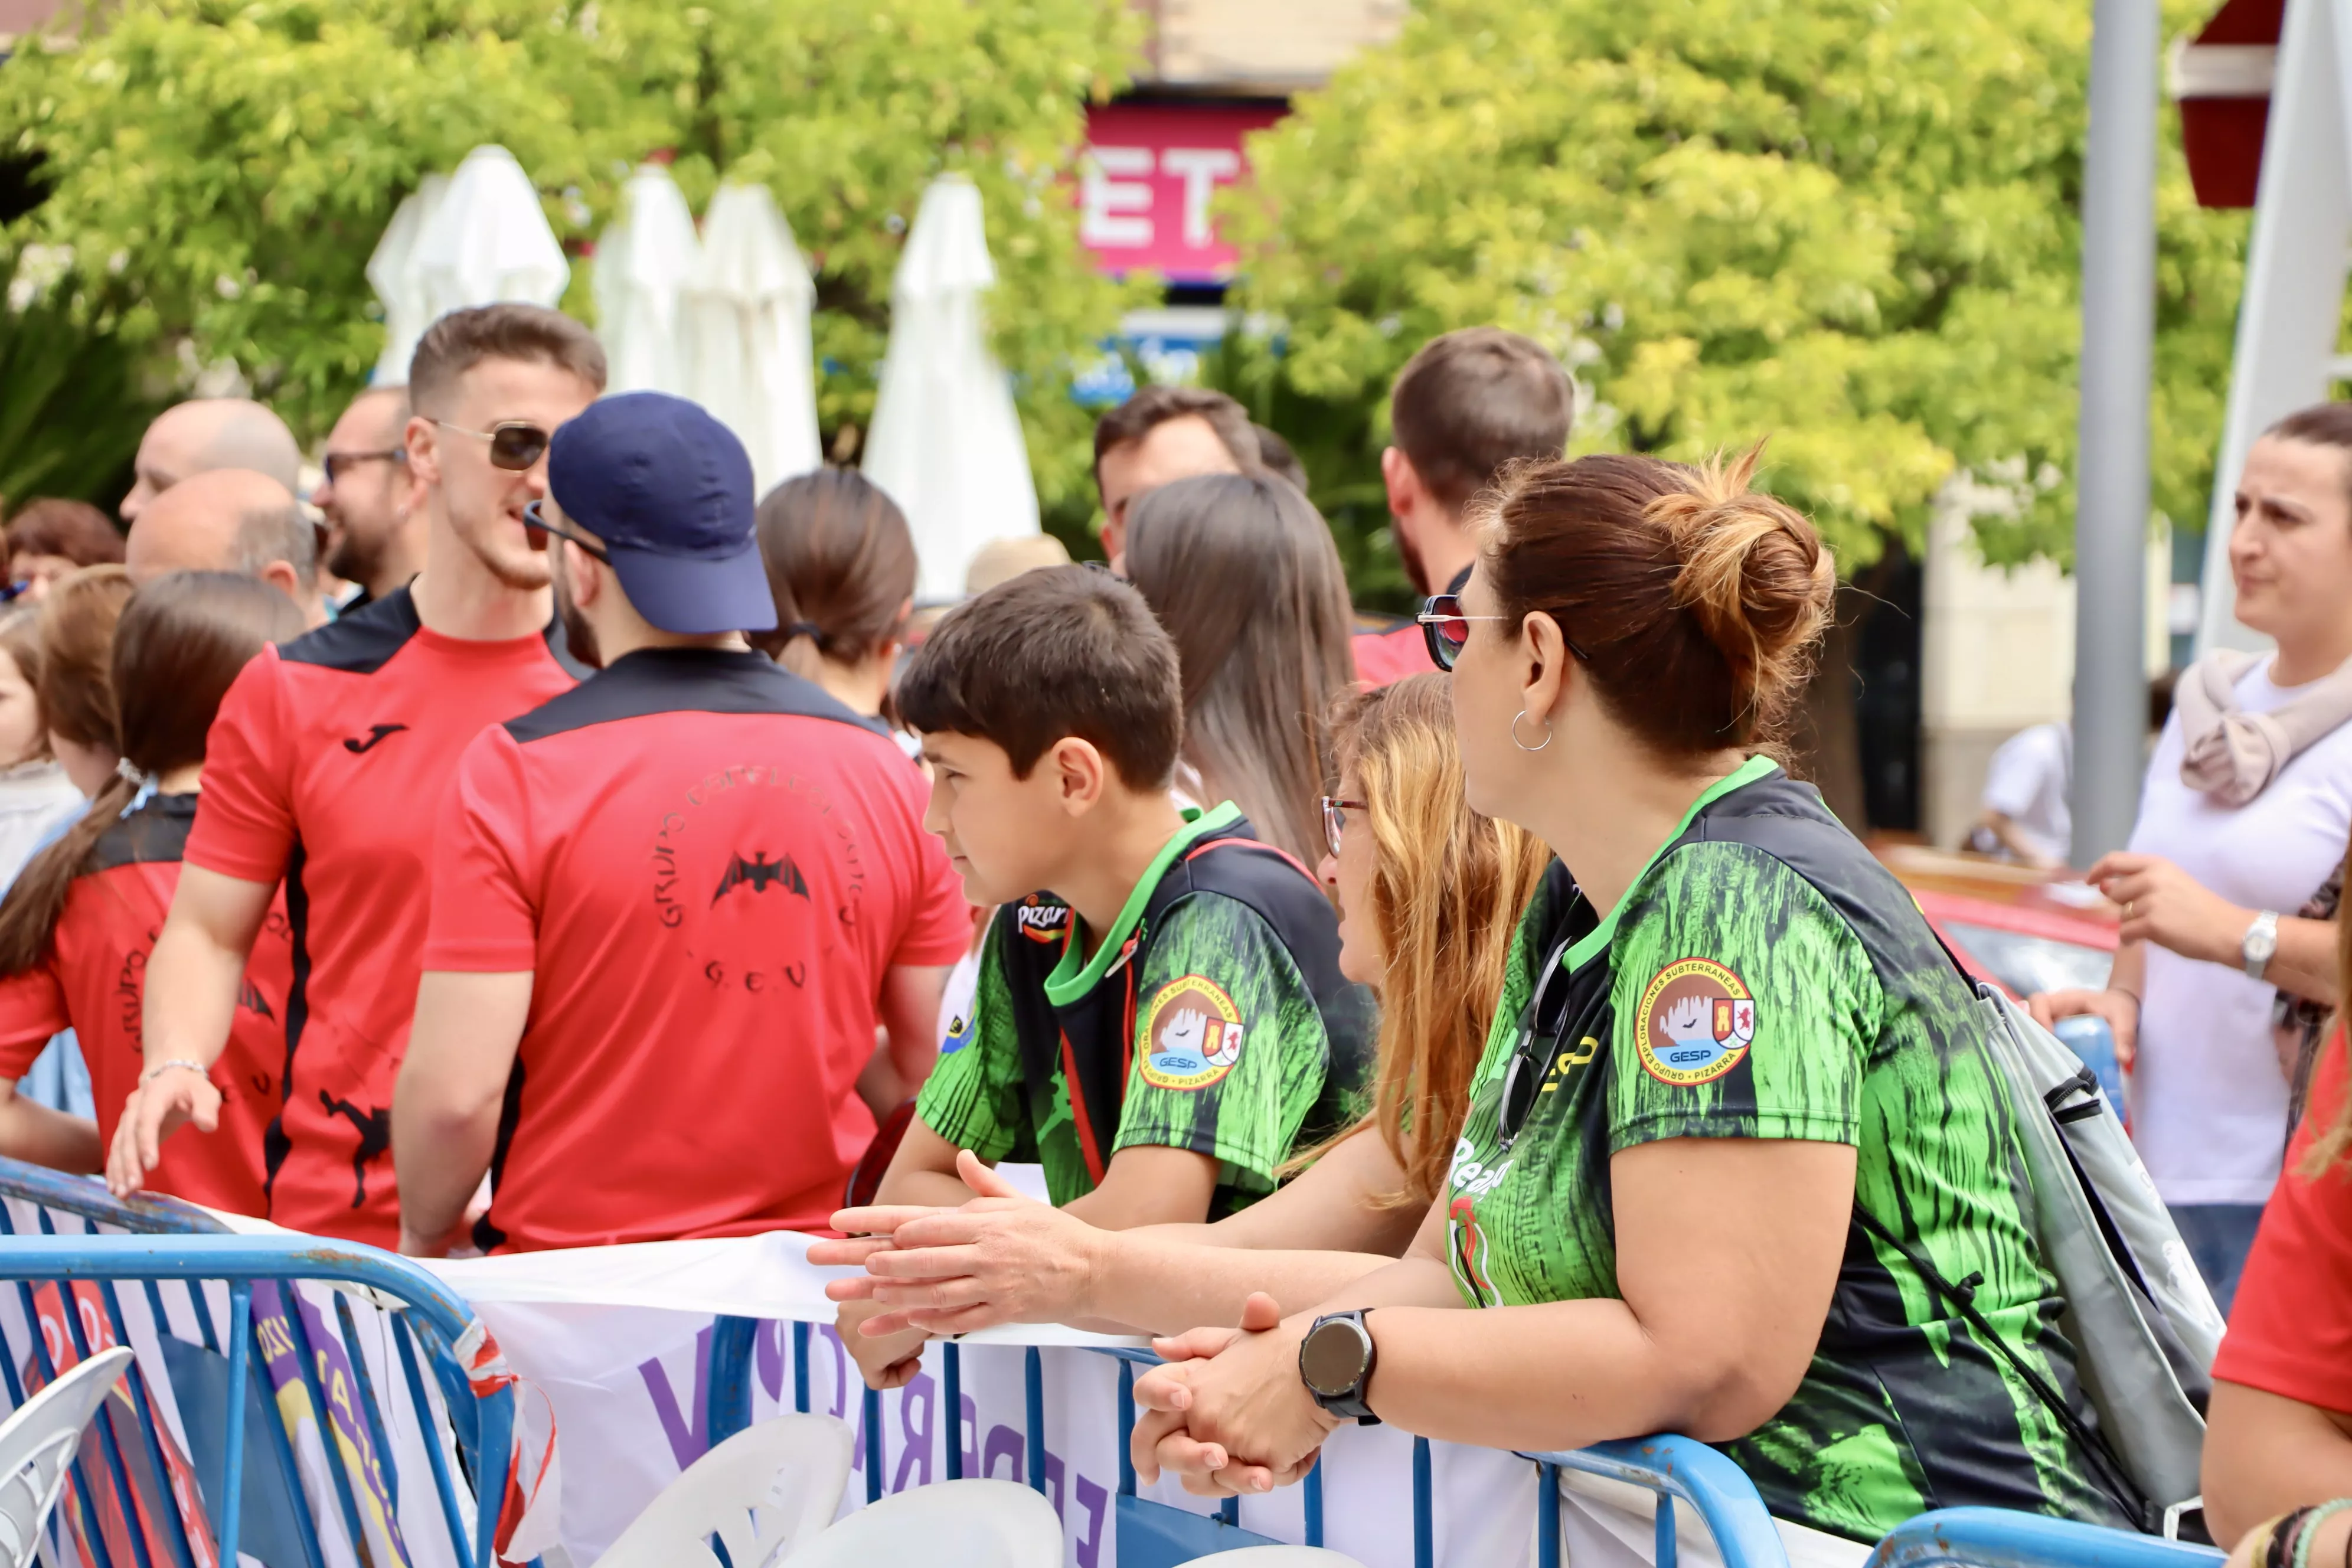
x: 2278, y: 1439
x: 77, y: 928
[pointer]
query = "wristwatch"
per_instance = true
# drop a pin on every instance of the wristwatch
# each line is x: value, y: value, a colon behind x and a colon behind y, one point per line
x: 1335, y: 1362
x: 2259, y: 944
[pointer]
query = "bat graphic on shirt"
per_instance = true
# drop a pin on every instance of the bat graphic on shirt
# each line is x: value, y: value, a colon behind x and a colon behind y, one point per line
x: 761, y: 873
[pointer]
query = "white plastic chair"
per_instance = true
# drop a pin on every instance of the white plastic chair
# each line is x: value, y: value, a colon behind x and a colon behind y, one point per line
x: 38, y: 1444
x: 1277, y: 1557
x: 764, y: 1491
x: 952, y: 1524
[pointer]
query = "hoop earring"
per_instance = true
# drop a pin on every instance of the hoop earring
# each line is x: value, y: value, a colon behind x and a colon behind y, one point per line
x: 1522, y: 744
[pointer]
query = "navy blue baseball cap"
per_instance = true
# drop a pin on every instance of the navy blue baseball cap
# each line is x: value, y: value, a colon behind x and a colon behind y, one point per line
x: 668, y: 489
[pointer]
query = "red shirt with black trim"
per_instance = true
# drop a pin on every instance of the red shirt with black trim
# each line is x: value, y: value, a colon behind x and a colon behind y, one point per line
x: 2291, y: 1327
x: 325, y: 766
x: 93, y: 980
x: 708, y: 865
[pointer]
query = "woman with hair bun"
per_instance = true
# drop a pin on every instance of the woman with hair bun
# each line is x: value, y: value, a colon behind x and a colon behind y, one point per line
x: 841, y: 566
x: 1737, y: 1102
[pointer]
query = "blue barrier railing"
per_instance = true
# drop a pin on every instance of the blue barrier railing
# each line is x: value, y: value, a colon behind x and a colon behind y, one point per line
x: 184, y: 1246
x: 1995, y: 1538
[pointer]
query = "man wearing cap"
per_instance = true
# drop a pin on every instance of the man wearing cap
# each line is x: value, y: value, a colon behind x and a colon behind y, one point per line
x: 669, y: 906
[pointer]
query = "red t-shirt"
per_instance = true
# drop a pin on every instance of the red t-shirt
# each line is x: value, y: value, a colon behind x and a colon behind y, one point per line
x: 93, y: 980
x: 708, y: 865
x: 1391, y: 656
x: 2290, y: 1329
x: 324, y: 767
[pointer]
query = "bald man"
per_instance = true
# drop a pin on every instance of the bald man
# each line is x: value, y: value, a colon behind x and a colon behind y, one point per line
x: 229, y: 520
x: 207, y: 433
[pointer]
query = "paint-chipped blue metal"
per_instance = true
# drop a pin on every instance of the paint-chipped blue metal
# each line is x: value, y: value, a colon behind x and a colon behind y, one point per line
x: 1547, y: 1515
x: 1998, y: 1538
x: 1683, y: 1467
x: 442, y: 1484
x: 306, y: 1363
x: 369, y: 1407
x: 732, y: 1341
x: 240, y: 1336
x: 871, y: 1419
x: 1311, y: 1504
x: 88, y: 1198
x: 1424, y: 1507
x: 951, y: 1372
x: 1033, y: 1389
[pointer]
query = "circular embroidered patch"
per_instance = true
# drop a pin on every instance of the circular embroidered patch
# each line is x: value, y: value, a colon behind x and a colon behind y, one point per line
x: 1194, y: 1033
x: 1697, y: 1022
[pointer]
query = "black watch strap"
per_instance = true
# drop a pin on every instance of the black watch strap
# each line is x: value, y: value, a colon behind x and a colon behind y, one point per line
x: 1336, y: 1361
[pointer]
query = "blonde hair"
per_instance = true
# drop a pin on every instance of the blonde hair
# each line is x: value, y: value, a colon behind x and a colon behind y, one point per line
x: 1448, y: 888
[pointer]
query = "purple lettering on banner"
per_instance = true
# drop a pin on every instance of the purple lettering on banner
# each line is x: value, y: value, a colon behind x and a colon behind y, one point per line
x: 769, y: 1342
x: 1092, y: 1498
x: 967, y: 1418
x: 689, y: 1441
x: 1002, y: 1440
x: 341, y: 1423
x: 917, y: 1450
x: 1054, y: 1477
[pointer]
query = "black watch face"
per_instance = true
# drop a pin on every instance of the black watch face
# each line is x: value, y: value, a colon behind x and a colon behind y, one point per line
x: 1332, y: 1358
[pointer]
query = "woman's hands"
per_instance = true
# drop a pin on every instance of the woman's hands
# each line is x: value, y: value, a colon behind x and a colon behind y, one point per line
x: 2165, y: 905
x: 152, y: 1111
x: 1000, y: 1258
x: 1227, y: 1414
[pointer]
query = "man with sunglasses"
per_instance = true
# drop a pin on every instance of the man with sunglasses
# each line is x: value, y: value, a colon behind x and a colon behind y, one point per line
x: 671, y: 905
x: 376, y: 527
x: 326, y: 763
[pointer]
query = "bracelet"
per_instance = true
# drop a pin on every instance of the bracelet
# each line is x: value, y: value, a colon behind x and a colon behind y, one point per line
x: 160, y: 1068
x: 2275, y: 1535
x: 2313, y: 1518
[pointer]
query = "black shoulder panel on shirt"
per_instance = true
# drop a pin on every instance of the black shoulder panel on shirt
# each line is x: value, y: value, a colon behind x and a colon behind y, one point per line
x: 361, y: 643
x: 685, y: 680
x: 156, y: 832
x: 559, y: 648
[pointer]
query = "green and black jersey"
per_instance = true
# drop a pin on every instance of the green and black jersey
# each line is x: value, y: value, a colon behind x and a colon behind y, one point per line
x: 1210, y: 1017
x: 1766, y: 978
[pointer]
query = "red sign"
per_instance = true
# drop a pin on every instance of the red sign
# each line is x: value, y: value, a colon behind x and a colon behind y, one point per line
x: 1146, y: 180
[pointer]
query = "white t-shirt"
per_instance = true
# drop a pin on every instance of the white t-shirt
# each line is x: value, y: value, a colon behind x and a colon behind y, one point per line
x: 2209, y: 1104
x: 2028, y: 783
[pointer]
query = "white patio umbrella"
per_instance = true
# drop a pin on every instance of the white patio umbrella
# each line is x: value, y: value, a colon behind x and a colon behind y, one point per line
x: 392, y: 273
x: 487, y: 240
x: 946, y: 442
x: 645, y: 262
x: 748, y: 334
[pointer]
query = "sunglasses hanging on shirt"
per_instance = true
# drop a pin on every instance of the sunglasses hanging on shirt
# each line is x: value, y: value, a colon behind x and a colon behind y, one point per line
x: 1546, y: 1017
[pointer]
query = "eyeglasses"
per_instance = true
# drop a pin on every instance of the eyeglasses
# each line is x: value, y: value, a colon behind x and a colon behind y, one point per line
x: 1335, y: 818
x: 1447, y: 630
x: 536, y: 527
x: 515, y: 444
x: 336, y: 465
x: 1539, y: 1030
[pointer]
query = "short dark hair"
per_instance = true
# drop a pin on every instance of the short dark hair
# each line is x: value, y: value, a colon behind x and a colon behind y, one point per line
x: 531, y: 333
x: 1156, y: 406
x: 1058, y: 651
x: 1278, y: 457
x: 75, y: 530
x: 1471, y: 402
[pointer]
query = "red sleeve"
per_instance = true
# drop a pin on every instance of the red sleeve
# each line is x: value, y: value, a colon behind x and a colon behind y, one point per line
x: 485, y: 920
x: 2290, y: 1329
x: 244, y: 818
x: 938, y: 921
x: 32, y: 1009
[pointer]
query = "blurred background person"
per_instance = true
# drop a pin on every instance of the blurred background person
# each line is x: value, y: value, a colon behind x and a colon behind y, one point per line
x: 375, y: 529
x: 208, y: 433
x: 2245, y: 810
x: 50, y: 537
x: 1241, y: 571
x: 1165, y: 433
x: 77, y: 928
x: 2027, y: 816
x: 36, y: 796
x: 1276, y: 456
x: 1003, y: 560
x: 230, y: 519
x: 841, y: 566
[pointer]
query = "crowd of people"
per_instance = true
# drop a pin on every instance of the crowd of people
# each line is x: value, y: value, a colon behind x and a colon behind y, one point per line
x: 560, y: 845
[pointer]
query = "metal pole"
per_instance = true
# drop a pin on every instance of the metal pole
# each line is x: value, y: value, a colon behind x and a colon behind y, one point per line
x: 2112, y: 487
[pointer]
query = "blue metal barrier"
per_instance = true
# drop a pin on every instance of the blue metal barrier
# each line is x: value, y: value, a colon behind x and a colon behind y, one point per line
x: 1997, y: 1538
x: 172, y: 1249
x: 1677, y: 1466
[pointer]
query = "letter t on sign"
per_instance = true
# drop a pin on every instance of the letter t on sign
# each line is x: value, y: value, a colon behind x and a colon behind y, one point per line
x: 1200, y: 168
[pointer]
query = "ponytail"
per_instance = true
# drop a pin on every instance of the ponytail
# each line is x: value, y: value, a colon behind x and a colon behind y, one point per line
x: 28, y: 915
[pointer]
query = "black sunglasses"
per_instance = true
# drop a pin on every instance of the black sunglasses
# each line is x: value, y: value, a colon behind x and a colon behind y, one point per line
x: 515, y: 444
x: 1447, y: 630
x: 536, y: 528
x: 336, y: 465
x: 1539, y: 1031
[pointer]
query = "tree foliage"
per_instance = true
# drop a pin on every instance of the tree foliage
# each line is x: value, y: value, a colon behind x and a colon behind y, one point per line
x: 1851, y: 226
x: 223, y: 168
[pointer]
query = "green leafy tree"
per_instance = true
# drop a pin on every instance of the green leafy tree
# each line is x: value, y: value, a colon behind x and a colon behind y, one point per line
x: 222, y: 169
x: 1851, y: 226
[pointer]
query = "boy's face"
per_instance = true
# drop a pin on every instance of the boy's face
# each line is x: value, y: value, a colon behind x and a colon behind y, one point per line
x: 999, y: 831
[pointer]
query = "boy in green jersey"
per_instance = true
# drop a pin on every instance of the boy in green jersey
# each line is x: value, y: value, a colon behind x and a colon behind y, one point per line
x: 1160, y: 1014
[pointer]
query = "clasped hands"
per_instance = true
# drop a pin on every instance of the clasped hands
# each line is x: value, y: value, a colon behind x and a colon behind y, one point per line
x: 1227, y: 1415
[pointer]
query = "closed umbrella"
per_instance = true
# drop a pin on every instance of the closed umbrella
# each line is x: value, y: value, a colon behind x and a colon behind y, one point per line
x: 645, y: 262
x: 487, y: 240
x: 748, y: 334
x: 392, y: 273
x: 946, y: 443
